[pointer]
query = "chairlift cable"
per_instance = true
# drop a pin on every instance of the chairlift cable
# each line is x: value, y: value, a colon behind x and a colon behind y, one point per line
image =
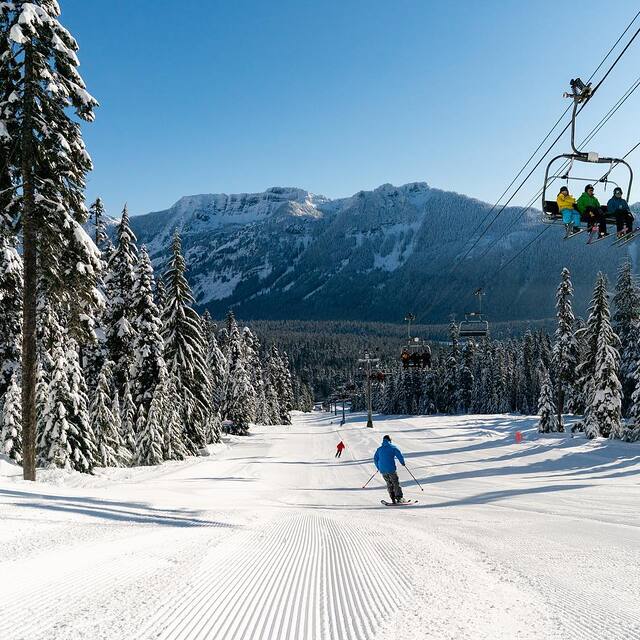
x: 635, y: 146
x: 615, y: 62
x: 524, y: 166
x: 615, y: 44
x: 517, y: 255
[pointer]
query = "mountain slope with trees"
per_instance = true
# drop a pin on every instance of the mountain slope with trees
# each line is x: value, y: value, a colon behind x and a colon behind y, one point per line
x: 289, y: 254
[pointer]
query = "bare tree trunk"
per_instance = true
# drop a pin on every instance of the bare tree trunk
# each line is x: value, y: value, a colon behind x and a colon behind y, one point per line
x: 29, y: 296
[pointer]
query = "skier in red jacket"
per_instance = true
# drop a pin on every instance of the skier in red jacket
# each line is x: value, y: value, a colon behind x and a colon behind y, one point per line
x: 340, y: 448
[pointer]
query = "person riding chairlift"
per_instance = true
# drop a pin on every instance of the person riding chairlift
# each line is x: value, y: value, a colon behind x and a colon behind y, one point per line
x: 620, y: 207
x: 569, y: 210
x: 405, y: 357
x: 591, y: 211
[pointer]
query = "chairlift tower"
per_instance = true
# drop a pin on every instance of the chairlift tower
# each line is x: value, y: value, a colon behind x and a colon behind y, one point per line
x: 367, y: 361
x: 479, y: 293
x: 409, y: 318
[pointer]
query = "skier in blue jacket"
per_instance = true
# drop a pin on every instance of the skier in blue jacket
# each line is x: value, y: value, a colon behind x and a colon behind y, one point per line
x: 384, y: 459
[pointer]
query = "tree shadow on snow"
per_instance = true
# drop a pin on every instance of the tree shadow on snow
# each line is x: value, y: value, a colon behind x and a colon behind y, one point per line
x: 480, y: 498
x: 573, y: 463
x: 131, y: 512
x: 494, y: 496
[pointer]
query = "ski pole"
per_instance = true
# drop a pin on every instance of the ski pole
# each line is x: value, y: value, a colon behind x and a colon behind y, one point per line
x: 370, y: 479
x: 411, y: 474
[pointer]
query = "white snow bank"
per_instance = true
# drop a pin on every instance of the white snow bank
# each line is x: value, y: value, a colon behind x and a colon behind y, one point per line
x: 8, y: 468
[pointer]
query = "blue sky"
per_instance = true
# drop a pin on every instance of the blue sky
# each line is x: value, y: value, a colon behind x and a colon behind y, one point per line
x: 336, y: 95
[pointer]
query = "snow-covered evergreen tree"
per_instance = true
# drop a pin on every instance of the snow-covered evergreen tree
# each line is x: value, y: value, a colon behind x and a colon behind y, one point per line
x: 546, y: 410
x: 600, y: 370
x: 240, y: 398
x: 127, y: 419
x: 160, y: 296
x: 49, y: 332
x: 216, y: 364
x: 149, y: 437
x: 185, y: 349
x: 271, y: 411
x: 281, y: 379
x: 450, y: 386
x: 530, y: 397
x: 96, y: 214
x: 634, y: 409
x: 171, y: 421
x: 80, y: 436
x: 42, y: 394
x: 251, y: 358
x: 48, y: 162
x: 305, y: 398
x: 564, y: 360
x: 147, y: 362
x: 127, y: 445
x: 95, y: 353
x: 465, y: 378
x: 590, y: 337
x: 109, y: 444
x: 9, y: 78
x: 119, y: 284
x: 11, y: 427
x: 604, y: 416
x: 10, y: 311
x: 626, y: 324
x: 53, y: 445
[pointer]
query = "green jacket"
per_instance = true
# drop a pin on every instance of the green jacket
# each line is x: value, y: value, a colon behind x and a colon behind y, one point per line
x: 585, y: 200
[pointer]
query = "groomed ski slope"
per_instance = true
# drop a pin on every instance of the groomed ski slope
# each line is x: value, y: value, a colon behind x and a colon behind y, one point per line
x: 272, y: 538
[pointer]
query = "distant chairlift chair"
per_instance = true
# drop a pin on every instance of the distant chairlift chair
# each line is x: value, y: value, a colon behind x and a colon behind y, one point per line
x: 473, y: 326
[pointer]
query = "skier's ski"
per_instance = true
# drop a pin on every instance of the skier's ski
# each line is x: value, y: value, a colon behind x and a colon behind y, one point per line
x: 598, y: 239
x: 627, y: 237
x: 398, y: 504
x: 573, y: 234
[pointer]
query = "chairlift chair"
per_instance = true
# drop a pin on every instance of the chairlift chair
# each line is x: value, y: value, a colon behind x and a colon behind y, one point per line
x: 415, y: 354
x: 580, y: 93
x: 474, y: 325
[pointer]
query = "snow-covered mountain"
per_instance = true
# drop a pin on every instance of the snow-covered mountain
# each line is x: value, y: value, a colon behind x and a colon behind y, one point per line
x: 288, y: 253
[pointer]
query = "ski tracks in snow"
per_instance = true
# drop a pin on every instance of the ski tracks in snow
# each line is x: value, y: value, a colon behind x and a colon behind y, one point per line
x: 85, y: 586
x: 301, y: 576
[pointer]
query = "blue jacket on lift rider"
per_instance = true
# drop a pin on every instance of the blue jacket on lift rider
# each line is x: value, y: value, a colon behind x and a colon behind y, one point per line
x: 620, y: 207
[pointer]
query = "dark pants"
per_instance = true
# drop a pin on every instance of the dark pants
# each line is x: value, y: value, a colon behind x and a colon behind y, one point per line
x: 338, y: 453
x: 393, y: 485
x: 593, y: 215
x: 624, y: 219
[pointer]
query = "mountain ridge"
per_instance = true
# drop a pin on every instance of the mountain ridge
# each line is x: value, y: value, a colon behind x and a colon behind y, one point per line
x: 287, y: 253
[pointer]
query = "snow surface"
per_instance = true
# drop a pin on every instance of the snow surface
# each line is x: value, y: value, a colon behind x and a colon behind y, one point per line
x: 271, y: 538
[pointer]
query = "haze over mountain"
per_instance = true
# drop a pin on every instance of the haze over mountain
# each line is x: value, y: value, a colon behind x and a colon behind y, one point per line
x: 288, y: 253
